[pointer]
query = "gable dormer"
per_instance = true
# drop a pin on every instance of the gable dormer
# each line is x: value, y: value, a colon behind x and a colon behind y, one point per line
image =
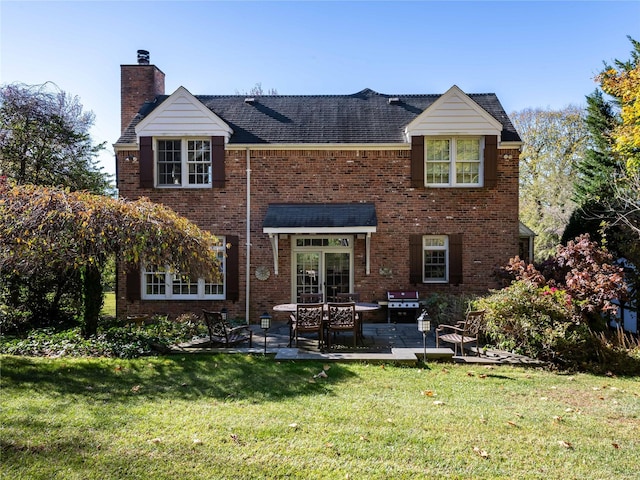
x: 454, y: 143
x: 454, y: 113
x: 183, y: 115
x: 179, y: 132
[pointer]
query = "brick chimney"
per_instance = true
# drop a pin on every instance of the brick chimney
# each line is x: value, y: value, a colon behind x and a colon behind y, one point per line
x: 138, y: 84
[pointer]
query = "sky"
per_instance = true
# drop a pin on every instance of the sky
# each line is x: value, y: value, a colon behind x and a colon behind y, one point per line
x: 540, y: 54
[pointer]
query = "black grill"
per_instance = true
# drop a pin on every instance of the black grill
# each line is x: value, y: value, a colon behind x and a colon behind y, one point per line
x: 403, y: 306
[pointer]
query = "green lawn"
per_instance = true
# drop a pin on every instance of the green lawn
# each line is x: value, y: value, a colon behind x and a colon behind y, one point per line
x: 109, y: 306
x: 249, y: 417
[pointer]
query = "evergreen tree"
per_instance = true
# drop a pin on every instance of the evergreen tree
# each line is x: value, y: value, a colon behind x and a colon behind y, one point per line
x: 593, y: 188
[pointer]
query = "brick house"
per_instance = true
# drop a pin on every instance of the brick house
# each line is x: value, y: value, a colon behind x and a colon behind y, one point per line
x: 333, y: 193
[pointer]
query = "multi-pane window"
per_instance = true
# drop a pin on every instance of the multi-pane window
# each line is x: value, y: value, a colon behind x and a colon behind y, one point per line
x: 455, y: 161
x: 199, y: 161
x: 435, y: 258
x: 169, y: 162
x: 468, y: 161
x: 184, y: 162
x: 163, y: 284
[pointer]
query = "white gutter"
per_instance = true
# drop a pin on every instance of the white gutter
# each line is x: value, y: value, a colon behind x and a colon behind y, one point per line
x: 248, y: 269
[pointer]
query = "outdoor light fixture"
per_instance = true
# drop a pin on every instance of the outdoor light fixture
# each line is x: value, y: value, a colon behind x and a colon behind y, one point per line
x: 265, y: 324
x: 424, y: 326
x: 223, y: 314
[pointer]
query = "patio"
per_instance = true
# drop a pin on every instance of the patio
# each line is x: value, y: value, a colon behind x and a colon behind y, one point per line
x: 383, y: 342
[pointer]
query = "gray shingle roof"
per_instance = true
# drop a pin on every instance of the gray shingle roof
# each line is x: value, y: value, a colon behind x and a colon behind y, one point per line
x: 309, y: 215
x: 364, y: 117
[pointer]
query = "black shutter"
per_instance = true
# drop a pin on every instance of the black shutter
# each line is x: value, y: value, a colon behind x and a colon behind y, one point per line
x: 146, y: 162
x: 455, y: 259
x: 417, y: 161
x: 490, y: 161
x: 232, y: 280
x: 415, y: 259
x: 132, y: 285
x: 217, y: 162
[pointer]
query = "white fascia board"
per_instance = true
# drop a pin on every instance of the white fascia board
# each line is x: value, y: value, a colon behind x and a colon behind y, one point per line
x: 118, y: 147
x: 510, y: 145
x: 317, y: 230
x: 152, y: 124
x: 415, y: 127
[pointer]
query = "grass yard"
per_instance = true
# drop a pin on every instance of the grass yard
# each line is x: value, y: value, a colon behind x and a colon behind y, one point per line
x: 249, y: 417
x: 109, y: 306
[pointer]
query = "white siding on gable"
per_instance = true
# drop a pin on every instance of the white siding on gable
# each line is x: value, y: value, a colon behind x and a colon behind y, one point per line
x: 182, y: 115
x: 454, y: 113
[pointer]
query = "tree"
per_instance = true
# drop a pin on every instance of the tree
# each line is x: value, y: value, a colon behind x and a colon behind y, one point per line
x: 73, y: 232
x: 44, y: 139
x: 554, y: 142
x: 622, y: 81
x: 593, y: 185
x: 257, y: 91
x: 608, y: 181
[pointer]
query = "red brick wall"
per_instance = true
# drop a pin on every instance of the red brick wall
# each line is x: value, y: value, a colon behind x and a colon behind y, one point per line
x: 487, y: 218
x: 138, y: 84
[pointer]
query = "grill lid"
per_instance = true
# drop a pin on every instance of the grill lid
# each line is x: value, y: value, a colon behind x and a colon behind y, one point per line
x: 402, y: 295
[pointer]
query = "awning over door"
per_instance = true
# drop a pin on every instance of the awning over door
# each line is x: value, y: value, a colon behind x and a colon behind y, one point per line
x: 319, y: 218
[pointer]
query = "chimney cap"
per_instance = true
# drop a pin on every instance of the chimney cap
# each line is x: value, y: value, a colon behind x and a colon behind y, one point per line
x: 143, y: 57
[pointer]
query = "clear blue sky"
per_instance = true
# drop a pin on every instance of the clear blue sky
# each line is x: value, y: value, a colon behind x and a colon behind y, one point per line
x: 531, y: 54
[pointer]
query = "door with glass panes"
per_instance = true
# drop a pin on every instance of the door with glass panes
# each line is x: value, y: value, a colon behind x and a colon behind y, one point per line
x: 322, y: 265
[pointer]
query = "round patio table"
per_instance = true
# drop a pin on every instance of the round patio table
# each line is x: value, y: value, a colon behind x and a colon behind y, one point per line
x: 291, y: 307
x: 361, y: 307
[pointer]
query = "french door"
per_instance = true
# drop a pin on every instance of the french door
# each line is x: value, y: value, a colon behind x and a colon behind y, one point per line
x: 322, y: 265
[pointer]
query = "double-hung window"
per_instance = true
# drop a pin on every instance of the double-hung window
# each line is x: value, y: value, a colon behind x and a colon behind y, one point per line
x: 160, y: 283
x: 435, y: 258
x: 453, y: 161
x: 183, y: 162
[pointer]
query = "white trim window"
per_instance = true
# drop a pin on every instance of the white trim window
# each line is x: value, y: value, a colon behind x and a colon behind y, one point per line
x: 435, y: 258
x: 183, y: 162
x: 453, y: 161
x: 159, y: 283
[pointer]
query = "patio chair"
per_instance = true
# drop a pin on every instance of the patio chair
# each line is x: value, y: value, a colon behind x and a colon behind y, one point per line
x: 464, y: 332
x: 221, y: 332
x: 311, y: 298
x: 351, y: 297
x: 342, y: 318
x: 348, y: 297
x: 308, y: 319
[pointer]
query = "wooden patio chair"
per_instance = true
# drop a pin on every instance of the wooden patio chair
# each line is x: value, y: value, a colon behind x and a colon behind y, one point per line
x: 221, y: 332
x: 462, y: 333
x: 308, y: 319
x: 351, y: 297
x: 348, y: 297
x: 342, y: 317
x: 311, y: 298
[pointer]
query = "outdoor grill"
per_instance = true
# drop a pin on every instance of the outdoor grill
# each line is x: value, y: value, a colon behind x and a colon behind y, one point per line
x: 403, y: 306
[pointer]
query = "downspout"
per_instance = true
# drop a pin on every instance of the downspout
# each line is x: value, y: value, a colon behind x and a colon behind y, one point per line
x: 247, y: 281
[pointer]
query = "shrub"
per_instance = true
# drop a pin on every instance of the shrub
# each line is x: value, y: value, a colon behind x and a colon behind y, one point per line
x: 114, y: 341
x: 447, y: 308
x: 528, y: 319
x: 585, y: 272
